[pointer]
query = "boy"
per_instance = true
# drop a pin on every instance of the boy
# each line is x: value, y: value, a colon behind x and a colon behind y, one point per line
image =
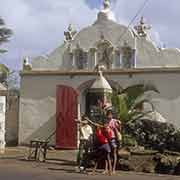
x: 104, y: 148
x: 86, y: 133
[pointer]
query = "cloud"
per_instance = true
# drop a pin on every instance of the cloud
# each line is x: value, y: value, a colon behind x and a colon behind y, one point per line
x: 38, y: 25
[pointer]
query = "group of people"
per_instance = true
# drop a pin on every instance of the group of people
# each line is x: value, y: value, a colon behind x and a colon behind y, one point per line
x: 102, y: 140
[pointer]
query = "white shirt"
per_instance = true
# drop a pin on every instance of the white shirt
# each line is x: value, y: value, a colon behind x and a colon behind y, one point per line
x: 86, y: 132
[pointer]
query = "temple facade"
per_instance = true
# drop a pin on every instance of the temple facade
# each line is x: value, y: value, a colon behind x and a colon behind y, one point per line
x: 55, y: 88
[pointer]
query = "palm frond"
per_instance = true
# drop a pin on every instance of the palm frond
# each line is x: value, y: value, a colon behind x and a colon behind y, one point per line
x: 139, y: 115
x: 139, y: 89
x: 3, y: 50
x: 140, y: 102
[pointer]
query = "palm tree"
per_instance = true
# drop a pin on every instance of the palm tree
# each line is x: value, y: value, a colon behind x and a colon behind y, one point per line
x: 5, y: 34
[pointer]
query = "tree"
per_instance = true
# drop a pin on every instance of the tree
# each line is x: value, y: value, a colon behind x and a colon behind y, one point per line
x: 4, y: 73
x: 5, y: 34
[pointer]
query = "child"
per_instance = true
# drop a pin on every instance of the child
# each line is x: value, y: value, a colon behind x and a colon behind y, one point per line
x: 115, y: 126
x: 85, y: 138
x: 104, y: 147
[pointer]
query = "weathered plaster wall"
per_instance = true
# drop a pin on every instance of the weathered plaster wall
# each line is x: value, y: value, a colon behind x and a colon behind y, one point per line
x: 12, y: 121
x: 38, y: 106
x: 38, y: 99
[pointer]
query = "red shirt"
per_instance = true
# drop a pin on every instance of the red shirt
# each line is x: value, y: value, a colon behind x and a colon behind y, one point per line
x: 101, y: 137
x: 109, y: 132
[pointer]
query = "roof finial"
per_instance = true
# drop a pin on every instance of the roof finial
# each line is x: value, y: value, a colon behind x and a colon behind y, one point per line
x: 70, y: 33
x: 142, y: 28
x: 106, y: 4
x: 142, y: 20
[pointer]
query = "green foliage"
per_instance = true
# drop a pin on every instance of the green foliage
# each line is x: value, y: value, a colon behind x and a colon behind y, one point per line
x: 4, y: 71
x: 128, y: 140
x: 129, y: 102
x: 5, y: 34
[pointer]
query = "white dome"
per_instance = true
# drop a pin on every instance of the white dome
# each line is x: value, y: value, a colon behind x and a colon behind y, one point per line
x: 101, y: 84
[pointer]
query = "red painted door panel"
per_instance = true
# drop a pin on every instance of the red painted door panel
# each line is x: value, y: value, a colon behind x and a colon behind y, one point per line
x: 66, y: 113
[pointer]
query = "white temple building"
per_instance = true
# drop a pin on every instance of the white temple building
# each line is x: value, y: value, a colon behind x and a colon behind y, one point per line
x: 55, y: 88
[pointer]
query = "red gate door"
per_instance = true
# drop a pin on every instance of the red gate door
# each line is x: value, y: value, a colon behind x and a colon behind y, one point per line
x: 66, y: 113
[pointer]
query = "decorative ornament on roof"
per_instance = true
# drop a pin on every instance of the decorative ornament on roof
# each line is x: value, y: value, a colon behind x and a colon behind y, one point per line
x: 26, y: 65
x: 142, y: 28
x: 106, y: 4
x: 106, y: 13
x: 69, y: 34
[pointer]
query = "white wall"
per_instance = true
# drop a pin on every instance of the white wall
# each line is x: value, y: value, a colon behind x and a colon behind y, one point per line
x: 38, y: 99
x: 2, y: 122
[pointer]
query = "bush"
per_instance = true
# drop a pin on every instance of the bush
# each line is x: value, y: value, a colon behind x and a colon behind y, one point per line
x: 154, y: 135
x: 128, y: 140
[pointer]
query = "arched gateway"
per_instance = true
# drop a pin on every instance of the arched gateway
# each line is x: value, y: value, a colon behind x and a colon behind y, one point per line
x: 70, y: 103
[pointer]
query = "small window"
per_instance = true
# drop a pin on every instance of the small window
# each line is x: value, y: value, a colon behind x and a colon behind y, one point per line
x: 80, y: 59
x: 128, y: 57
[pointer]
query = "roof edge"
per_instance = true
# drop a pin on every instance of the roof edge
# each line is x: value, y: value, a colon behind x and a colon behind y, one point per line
x: 112, y: 72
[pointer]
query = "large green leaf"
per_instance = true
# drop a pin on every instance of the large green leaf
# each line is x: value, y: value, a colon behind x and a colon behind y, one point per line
x: 137, y: 90
x: 120, y: 104
x: 139, y: 102
x: 129, y: 101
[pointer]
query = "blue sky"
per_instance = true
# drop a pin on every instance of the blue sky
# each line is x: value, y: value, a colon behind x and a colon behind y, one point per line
x: 38, y: 25
x: 93, y: 4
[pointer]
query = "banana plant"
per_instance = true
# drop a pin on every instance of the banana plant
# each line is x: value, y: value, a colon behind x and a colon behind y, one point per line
x: 129, y: 102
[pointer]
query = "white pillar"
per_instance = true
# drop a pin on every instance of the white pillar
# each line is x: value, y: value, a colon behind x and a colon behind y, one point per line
x: 92, y: 59
x: 79, y: 119
x: 134, y: 54
x: 2, y: 123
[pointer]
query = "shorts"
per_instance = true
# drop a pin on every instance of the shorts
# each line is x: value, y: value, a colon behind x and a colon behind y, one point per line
x: 113, y: 143
x: 105, y: 147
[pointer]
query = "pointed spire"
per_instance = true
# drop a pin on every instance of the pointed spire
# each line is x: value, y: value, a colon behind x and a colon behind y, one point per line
x: 106, y: 13
x: 106, y: 4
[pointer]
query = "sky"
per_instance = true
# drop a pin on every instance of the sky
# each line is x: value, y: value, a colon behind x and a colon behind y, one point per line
x: 39, y: 25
